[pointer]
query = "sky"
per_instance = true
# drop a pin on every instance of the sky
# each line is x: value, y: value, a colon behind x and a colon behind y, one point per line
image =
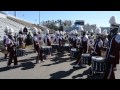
x: 101, y: 18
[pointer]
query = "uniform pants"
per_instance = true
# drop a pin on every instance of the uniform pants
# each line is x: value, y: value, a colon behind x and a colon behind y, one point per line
x: 109, y: 72
x: 40, y: 56
x: 11, y: 57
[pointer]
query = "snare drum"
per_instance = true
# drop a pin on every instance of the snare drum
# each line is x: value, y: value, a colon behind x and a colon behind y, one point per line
x: 55, y: 46
x: 47, y: 50
x: 66, y: 47
x: 74, y: 53
x: 20, y: 52
x: 86, y: 59
x: 98, y: 64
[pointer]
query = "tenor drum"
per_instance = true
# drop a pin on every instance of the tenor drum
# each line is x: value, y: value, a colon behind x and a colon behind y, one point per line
x: 20, y: 52
x: 98, y: 64
x: 55, y: 46
x: 74, y: 53
x: 66, y: 47
x: 47, y: 50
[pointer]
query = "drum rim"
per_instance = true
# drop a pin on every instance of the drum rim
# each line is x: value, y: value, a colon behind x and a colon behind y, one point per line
x: 94, y: 59
x: 46, y: 46
x: 74, y: 50
x: 55, y: 44
x: 88, y: 55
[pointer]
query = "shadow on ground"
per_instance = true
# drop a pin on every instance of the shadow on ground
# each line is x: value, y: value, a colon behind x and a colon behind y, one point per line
x: 2, y: 69
x: 2, y: 59
x: 86, y: 72
x: 61, y: 74
x: 27, y: 65
x: 57, y: 61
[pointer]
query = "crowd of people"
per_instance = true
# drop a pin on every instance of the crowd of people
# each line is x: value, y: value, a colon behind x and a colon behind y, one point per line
x: 90, y: 46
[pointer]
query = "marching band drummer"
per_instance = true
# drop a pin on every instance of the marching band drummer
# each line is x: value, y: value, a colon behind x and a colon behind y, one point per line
x: 11, y: 49
x: 35, y: 37
x: 112, y: 54
x: 40, y: 37
x: 61, y: 40
x: 20, y: 38
x: 47, y: 40
x: 52, y: 38
x: 79, y: 48
x: 78, y: 41
x: 70, y: 39
x: 4, y: 39
x: 25, y: 30
x: 105, y: 39
x: 84, y: 40
x: 24, y: 35
x: 57, y: 40
x: 74, y: 39
x: 98, y: 43
x: 37, y: 45
x: 82, y: 49
x: 67, y: 37
x: 91, y: 41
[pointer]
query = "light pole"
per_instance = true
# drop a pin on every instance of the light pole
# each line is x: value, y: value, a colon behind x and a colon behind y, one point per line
x: 35, y: 21
x: 39, y: 17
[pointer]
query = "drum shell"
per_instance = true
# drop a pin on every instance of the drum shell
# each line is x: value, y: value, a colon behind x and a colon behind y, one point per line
x: 66, y: 47
x: 55, y: 46
x: 20, y: 52
x: 86, y: 59
x: 74, y: 53
x: 47, y: 50
x: 98, y: 66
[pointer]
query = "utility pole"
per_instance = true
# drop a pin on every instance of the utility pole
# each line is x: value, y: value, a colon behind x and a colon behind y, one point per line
x: 15, y: 13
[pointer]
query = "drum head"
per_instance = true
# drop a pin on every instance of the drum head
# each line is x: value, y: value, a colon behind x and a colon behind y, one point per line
x: 43, y: 47
x: 86, y: 54
x: 98, y: 58
x: 46, y: 47
x: 73, y: 49
x: 66, y: 44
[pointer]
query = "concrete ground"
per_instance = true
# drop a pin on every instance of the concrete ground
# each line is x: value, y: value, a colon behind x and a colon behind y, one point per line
x: 57, y: 66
